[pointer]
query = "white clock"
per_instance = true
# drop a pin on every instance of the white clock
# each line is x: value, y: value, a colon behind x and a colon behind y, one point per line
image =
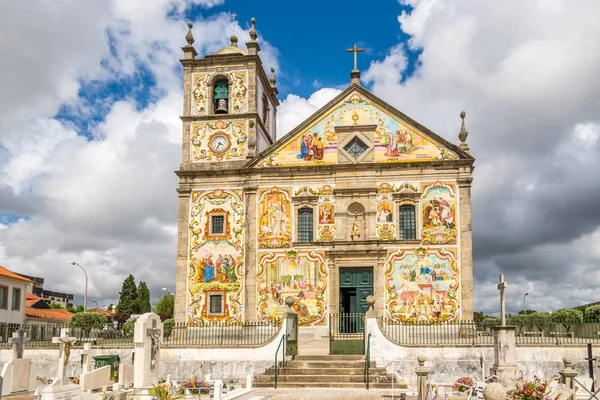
x: 219, y: 143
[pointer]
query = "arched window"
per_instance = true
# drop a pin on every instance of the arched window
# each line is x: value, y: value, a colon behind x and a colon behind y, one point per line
x: 305, y: 225
x: 408, y: 225
x: 221, y: 96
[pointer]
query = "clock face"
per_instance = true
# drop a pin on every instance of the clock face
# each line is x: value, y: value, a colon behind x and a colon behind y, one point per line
x: 219, y: 143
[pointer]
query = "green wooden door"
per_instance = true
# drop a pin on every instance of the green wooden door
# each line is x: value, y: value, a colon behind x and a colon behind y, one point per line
x: 359, y: 283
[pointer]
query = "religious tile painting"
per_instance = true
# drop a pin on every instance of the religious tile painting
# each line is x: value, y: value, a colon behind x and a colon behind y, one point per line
x: 385, y: 227
x: 274, y: 218
x: 218, y: 140
x: 394, y: 139
x: 216, y: 257
x: 438, y: 213
x: 201, y: 95
x: 422, y: 285
x: 300, y: 274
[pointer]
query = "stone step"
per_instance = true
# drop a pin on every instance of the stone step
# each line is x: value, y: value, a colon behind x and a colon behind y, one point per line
x: 337, y: 357
x: 328, y: 364
x: 323, y: 378
x: 327, y: 371
x: 347, y: 385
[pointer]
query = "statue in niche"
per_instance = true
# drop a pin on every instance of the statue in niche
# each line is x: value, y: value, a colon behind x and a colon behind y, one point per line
x: 355, y: 229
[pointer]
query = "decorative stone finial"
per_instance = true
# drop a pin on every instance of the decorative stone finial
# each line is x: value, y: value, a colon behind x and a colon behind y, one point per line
x: 189, y: 37
x: 234, y: 41
x: 272, y: 78
x: 421, y: 360
x: 567, y: 361
x: 253, y: 34
x: 370, y: 301
x: 463, y: 133
x: 494, y: 391
x: 289, y: 301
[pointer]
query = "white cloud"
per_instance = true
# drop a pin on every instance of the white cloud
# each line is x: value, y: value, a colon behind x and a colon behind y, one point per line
x: 295, y: 109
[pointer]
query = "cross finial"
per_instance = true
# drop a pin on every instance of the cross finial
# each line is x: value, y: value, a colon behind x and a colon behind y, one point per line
x: 233, y: 15
x: 355, y: 50
x: 501, y: 286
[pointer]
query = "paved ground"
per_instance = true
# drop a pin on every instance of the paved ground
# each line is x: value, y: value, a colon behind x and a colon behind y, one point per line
x: 321, y: 394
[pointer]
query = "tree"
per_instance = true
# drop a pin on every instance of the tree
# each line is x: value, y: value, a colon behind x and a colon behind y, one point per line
x: 541, y: 320
x: 87, y: 321
x: 478, y: 318
x: 490, y: 322
x: 128, y: 327
x: 527, y: 312
x: 76, y: 310
x: 143, y: 299
x: 519, y: 320
x: 567, y: 317
x: 164, y: 306
x: 128, y: 303
x: 592, y: 314
x: 56, y: 305
x: 168, y: 326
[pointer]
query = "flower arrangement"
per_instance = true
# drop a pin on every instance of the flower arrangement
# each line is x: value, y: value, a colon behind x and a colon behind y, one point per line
x: 463, y: 384
x: 531, y: 390
x: 196, y: 386
x: 162, y: 391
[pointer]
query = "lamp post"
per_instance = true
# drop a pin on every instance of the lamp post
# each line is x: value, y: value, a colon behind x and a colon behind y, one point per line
x: 95, y: 302
x: 86, y: 284
x: 524, y: 309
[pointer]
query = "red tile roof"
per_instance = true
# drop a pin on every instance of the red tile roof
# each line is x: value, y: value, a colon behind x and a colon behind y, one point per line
x: 9, y: 274
x: 102, y: 311
x: 50, y: 314
x: 31, y: 299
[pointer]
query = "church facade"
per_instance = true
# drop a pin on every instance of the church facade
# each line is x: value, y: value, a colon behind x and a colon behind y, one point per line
x: 359, y: 199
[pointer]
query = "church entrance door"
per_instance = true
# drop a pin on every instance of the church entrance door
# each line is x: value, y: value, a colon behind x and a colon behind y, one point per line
x: 347, y: 327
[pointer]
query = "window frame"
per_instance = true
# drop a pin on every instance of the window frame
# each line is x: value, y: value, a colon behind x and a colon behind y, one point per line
x: 301, y: 210
x: 211, y: 104
x: 18, y: 297
x: 415, y: 206
x: 211, y: 225
x: 4, y: 297
x: 209, y: 297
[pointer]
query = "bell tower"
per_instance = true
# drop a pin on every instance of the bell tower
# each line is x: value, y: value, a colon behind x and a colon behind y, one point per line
x: 230, y: 105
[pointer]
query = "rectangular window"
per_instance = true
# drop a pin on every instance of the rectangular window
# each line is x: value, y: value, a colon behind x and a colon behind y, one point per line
x: 217, y: 224
x: 4, y: 297
x: 215, y: 305
x: 407, y: 224
x: 305, y: 225
x: 16, y: 299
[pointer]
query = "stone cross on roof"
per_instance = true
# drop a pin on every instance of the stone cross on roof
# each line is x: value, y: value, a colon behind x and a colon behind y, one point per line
x: 18, y: 342
x: 355, y: 50
x: 501, y: 286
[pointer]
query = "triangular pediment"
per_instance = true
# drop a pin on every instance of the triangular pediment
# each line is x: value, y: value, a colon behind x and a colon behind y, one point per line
x: 357, y: 127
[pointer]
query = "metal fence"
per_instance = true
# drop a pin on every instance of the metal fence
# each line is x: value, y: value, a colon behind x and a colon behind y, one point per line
x: 247, y: 334
x: 470, y: 333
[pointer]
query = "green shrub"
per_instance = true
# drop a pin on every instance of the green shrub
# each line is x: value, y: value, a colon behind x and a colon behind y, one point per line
x: 567, y: 317
x: 87, y: 321
x: 592, y: 314
x: 168, y: 326
x: 489, y: 323
x: 128, y: 327
x: 541, y: 320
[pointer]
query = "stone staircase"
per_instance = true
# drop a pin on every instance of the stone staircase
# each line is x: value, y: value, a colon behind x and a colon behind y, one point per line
x: 327, y: 371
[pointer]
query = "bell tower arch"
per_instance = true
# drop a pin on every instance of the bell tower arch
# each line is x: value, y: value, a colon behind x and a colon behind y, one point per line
x: 229, y: 107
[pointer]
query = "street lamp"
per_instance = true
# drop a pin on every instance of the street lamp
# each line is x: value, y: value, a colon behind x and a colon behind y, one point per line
x: 524, y: 309
x: 86, y: 284
x: 95, y: 302
x: 169, y: 290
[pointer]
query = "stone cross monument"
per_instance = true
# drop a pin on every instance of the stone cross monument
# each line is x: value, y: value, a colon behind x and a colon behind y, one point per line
x: 18, y: 343
x: 65, y: 341
x: 501, y: 287
x: 146, y: 338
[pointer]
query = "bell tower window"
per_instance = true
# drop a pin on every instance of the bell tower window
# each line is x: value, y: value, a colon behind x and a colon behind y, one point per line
x: 221, y: 97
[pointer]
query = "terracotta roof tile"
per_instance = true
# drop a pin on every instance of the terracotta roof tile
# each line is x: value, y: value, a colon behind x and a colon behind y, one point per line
x: 10, y: 274
x: 54, y: 314
x: 102, y: 311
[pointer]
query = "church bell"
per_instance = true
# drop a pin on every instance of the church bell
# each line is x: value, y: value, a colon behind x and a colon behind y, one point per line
x: 222, y: 107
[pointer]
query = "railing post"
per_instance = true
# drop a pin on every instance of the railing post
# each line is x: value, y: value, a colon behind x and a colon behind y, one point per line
x: 567, y: 376
x: 422, y: 374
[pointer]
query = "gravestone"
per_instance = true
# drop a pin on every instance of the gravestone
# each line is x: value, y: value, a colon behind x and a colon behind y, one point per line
x: 64, y: 353
x: 146, y: 338
x: 85, y: 358
x: 17, y: 374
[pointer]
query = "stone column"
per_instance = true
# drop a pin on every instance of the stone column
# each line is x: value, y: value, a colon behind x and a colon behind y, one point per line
x: 250, y: 196
x: 567, y: 375
x: 422, y: 374
x: 181, y: 273
x: 505, y: 366
x: 146, y: 338
x: 466, y: 247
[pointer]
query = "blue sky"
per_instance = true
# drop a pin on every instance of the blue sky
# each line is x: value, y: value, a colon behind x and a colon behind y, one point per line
x: 90, y: 132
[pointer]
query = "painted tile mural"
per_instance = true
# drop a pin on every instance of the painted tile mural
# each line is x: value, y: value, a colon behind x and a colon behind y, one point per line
x: 394, y: 140
x: 422, y: 285
x: 216, y: 260
x: 300, y: 274
x: 201, y: 95
x: 385, y: 227
x: 274, y: 218
x: 218, y: 140
x: 325, y: 209
x: 438, y: 213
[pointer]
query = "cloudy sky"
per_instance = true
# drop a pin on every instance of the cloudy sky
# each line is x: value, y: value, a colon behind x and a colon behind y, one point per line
x: 90, y: 95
